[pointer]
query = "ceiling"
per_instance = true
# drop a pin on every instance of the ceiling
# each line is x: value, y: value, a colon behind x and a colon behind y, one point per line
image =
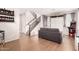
x: 49, y: 11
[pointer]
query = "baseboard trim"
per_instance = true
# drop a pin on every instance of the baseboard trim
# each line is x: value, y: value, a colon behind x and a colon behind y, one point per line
x: 10, y: 40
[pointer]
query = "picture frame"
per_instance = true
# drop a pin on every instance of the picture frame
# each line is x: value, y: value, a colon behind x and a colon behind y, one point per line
x: 6, y: 15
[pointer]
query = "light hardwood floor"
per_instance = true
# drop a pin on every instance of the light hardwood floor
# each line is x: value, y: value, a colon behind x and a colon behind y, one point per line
x: 26, y: 43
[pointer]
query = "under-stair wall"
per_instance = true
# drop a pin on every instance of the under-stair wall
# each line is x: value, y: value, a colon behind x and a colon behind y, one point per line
x: 24, y: 19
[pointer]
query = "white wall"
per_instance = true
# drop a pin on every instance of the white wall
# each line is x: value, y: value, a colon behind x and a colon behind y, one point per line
x: 78, y: 20
x: 77, y: 31
x: 11, y: 28
x: 68, y: 20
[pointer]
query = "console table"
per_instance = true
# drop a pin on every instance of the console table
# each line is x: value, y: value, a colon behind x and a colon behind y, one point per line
x: 2, y: 37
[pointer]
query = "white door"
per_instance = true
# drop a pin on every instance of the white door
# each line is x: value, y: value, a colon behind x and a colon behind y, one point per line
x: 22, y: 23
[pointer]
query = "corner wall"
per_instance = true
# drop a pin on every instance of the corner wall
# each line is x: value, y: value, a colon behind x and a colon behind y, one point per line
x: 11, y: 28
x: 77, y: 31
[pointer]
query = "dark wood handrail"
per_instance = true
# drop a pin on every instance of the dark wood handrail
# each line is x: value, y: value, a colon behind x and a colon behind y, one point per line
x: 30, y: 21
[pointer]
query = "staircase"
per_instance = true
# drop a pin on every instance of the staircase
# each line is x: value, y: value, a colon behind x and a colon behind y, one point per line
x: 32, y: 24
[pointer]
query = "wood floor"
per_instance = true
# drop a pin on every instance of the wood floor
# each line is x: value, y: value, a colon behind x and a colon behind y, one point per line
x: 26, y: 43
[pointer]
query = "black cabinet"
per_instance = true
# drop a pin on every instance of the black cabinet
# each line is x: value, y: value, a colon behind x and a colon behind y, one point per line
x: 72, y: 29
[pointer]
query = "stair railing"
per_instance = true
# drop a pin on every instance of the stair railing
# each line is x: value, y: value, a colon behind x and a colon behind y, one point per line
x: 32, y: 24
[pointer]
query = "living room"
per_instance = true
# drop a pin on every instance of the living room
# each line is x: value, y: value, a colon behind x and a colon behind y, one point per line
x: 25, y: 33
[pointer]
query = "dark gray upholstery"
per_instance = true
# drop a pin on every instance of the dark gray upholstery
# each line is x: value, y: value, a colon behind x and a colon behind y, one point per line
x: 50, y: 34
x: 51, y: 29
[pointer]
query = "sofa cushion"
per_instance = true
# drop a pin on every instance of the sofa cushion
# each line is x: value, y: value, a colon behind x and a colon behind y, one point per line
x: 50, y: 29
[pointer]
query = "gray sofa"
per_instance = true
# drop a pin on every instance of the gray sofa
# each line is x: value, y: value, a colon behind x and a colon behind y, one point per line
x: 51, y: 34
